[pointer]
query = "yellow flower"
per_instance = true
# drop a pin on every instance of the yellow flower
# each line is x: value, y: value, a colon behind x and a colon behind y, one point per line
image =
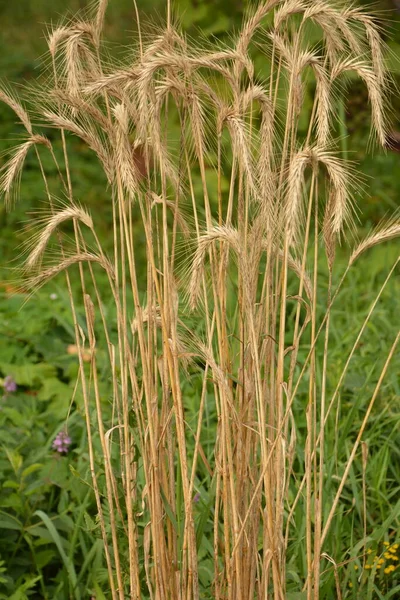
x: 389, y: 569
x: 395, y: 546
x: 369, y: 551
x: 387, y: 555
x: 356, y: 567
x: 386, y: 544
x: 378, y: 566
x: 368, y: 566
x: 350, y: 584
x: 395, y: 557
x: 381, y: 561
x: 392, y: 549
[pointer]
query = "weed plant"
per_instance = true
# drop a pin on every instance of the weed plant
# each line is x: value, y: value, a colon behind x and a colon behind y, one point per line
x: 227, y: 319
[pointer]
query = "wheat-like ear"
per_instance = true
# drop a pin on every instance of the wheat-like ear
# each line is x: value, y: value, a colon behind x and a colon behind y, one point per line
x: 256, y: 93
x: 225, y: 234
x: 330, y: 19
x: 375, y: 91
x: 286, y: 10
x: 125, y: 163
x: 87, y: 133
x: 86, y: 108
x: 56, y: 37
x: 114, y: 82
x: 80, y: 63
x: 295, y: 63
x: 251, y: 25
x: 47, y: 274
x: 294, y: 206
x: 11, y: 171
x: 333, y: 38
x: 71, y: 212
x: 100, y: 14
x: 241, y: 143
x: 8, y: 97
x: 372, y: 32
x: 150, y: 129
x: 322, y: 92
x: 382, y: 233
x: 329, y: 236
x: 340, y: 181
x: 60, y: 35
x: 295, y: 265
x: 266, y: 176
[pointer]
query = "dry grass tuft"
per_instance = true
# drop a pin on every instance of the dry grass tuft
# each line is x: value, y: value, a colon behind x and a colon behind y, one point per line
x: 195, y: 144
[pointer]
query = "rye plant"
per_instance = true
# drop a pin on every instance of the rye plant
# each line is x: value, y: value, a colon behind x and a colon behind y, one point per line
x: 234, y: 208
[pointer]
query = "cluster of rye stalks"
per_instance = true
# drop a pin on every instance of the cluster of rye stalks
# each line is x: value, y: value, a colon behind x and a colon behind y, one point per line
x: 165, y: 126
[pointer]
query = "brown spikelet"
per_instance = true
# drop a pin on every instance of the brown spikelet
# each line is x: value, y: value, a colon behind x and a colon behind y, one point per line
x: 339, y: 178
x: 57, y: 37
x: 50, y: 272
x: 87, y: 108
x: 252, y: 23
x: 62, y: 34
x: 286, y: 10
x: 382, y: 233
x: 126, y: 166
x: 374, y: 39
x: 266, y: 176
x: 375, y: 91
x: 331, y: 18
x: 334, y: 42
x: 9, y: 98
x: 218, y: 233
x: 294, y: 208
x: 81, y: 64
x: 71, y: 212
x: 88, y: 134
x: 296, y: 64
x: 112, y: 81
x: 241, y: 143
x: 295, y: 265
x: 11, y: 171
x: 100, y: 14
x: 149, y: 128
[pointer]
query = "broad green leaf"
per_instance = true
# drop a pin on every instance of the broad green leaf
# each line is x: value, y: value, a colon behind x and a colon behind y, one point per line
x: 9, y: 522
x: 59, y: 542
x: 31, y: 469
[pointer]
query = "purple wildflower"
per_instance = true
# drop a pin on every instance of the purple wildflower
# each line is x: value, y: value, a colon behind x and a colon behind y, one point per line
x: 62, y: 442
x: 197, y: 498
x: 9, y: 384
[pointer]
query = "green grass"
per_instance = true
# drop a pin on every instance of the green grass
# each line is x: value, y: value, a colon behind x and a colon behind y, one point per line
x: 47, y: 508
